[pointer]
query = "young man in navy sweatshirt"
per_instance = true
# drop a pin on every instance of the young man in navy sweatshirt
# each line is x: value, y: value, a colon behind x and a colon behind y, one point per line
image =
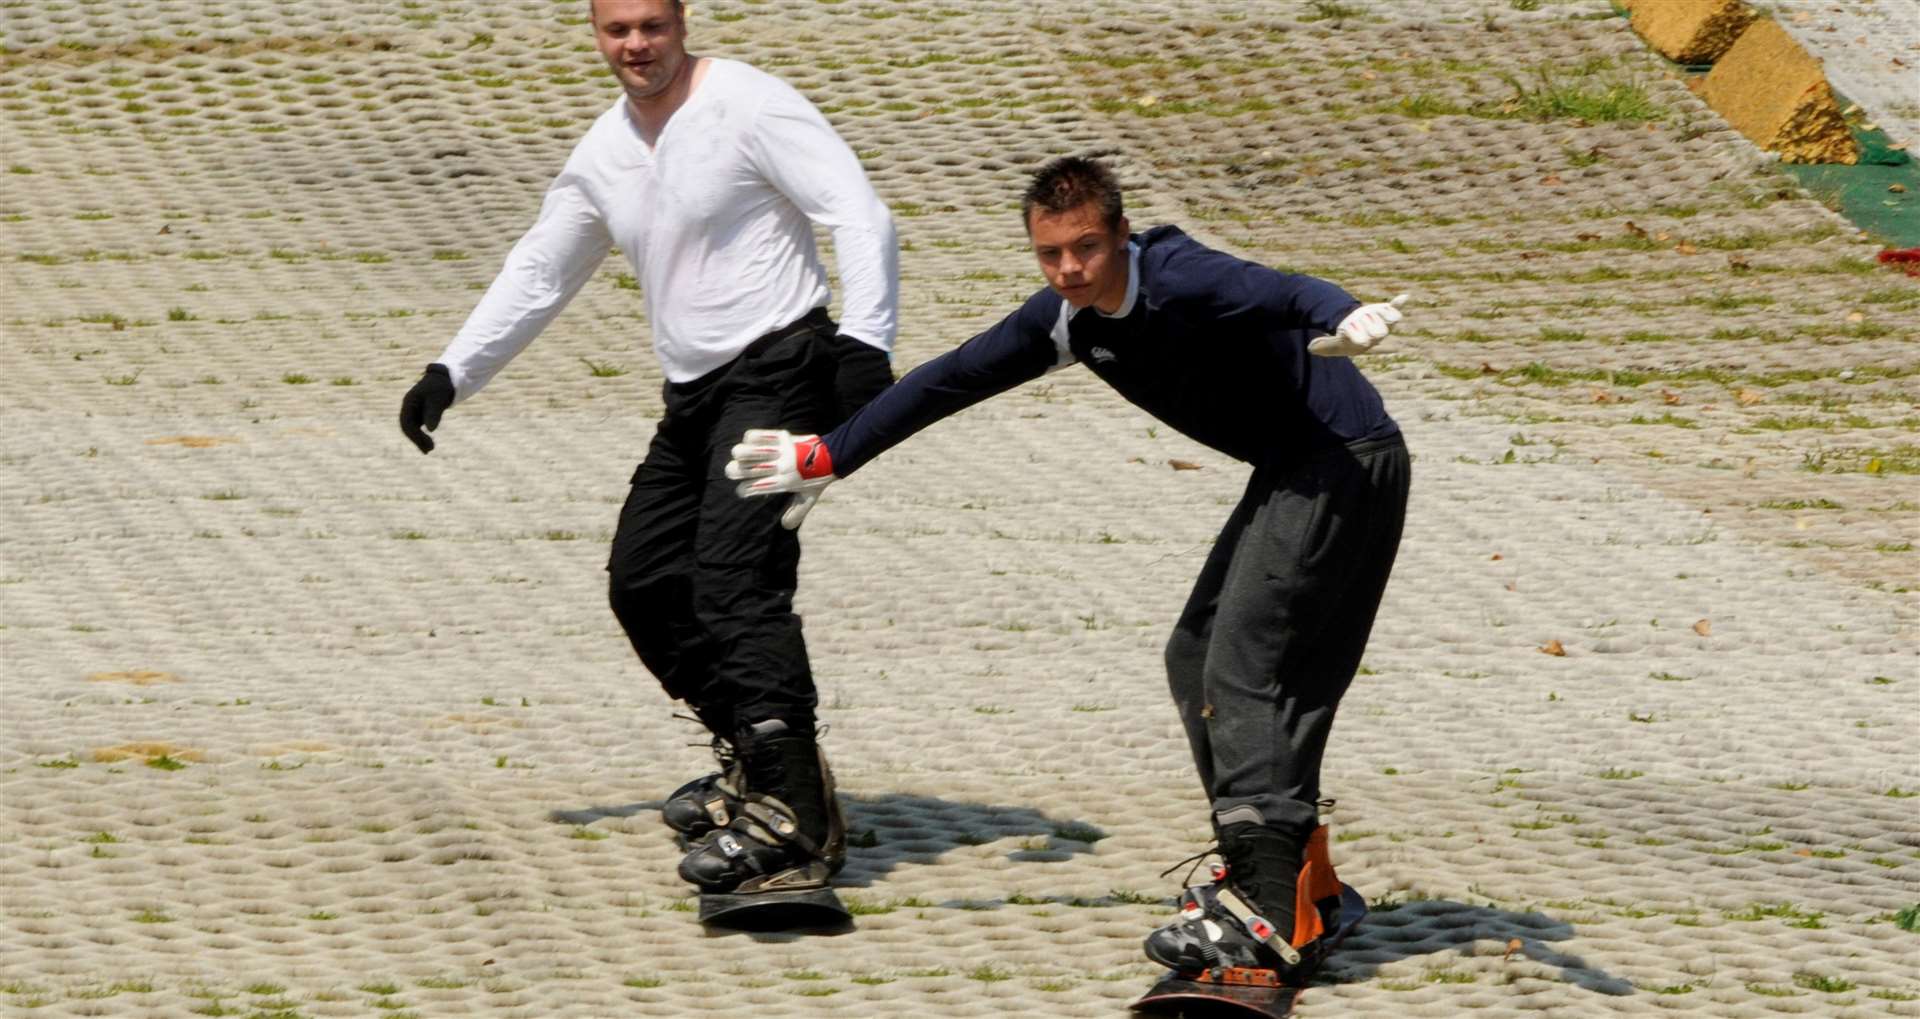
x: 1256, y: 364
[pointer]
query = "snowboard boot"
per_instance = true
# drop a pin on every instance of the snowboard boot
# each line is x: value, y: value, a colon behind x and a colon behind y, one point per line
x: 711, y: 801
x: 1245, y: 918
x: 788, y: 833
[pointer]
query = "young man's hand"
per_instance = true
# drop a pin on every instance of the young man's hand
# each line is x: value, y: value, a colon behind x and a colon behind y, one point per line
x: 424, y: 403
x: 769, y: 461
x: 1361, y: 330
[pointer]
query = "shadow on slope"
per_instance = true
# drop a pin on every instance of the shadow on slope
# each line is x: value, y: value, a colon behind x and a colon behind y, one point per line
x: 888, y: 830
x: 1392, y: 933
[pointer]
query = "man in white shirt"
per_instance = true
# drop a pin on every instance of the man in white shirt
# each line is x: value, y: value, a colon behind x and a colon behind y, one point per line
x: 710, y: 175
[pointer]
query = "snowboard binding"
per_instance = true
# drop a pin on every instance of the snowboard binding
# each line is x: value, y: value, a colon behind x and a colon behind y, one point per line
x: 764, y: 836
x: 710, y: 801
x: 1225, y: 958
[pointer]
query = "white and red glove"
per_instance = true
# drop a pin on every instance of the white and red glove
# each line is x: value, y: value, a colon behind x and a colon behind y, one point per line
x: 769, y: 461
x: 1360, y: 331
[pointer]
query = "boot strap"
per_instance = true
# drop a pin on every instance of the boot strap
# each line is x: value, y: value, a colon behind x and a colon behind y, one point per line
x: 772, y: 822
x: 1257, y: 925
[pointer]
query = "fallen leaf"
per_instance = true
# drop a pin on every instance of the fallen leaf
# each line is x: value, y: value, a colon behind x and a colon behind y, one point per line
x: 166, y: 228
x: 1533, y: 254
x: 1488, y: 369
x: 1183, y: 465
x: 1738, y: 264
x: 191, y: 441
x: 1497, y: 557
x: 1513, y: 945
x: 138, y: 677
x: 1586, y: 237
x: 1856, y: 317
x: 1704, y: 628
x: 119, y: 326
x: 1602, y: 396
x: 1749, y: 397
x: 1552, y: 178
x: 1803, y: 852
x: 1670, y: 397
x: 1636, y: 231
x: 1663, y: 236
x: 1368, y: 75
x: 1898, y: 189
x: 1686, y: 249
x: 1553, y: 648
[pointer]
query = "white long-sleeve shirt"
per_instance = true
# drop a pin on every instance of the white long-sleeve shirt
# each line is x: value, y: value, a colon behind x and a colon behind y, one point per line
x: 716, y: 221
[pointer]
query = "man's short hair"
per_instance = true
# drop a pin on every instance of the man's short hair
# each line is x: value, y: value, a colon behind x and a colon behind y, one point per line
x: 679, y: 8
x: 1068, y: 183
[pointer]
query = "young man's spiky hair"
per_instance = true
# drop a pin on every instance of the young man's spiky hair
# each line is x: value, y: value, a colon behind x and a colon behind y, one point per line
x: 1068, y: 183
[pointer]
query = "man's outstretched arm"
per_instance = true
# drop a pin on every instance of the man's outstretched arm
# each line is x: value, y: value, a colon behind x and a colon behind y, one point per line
x: 1017, y: 349
x: 1292, y: 300
x: 545, y: 269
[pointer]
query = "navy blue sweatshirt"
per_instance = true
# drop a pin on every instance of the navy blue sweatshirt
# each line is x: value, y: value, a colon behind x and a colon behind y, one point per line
x: 1213, y: 345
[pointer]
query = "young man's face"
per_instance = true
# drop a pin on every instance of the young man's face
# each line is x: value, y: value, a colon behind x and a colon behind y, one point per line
x: 1083, y: 259
x: 644, y: 41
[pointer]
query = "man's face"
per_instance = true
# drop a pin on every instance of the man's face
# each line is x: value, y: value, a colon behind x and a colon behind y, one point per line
x: 644, y: 41
x: 1083, y: 259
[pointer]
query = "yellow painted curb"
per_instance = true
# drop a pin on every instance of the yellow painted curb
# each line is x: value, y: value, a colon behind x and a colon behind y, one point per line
x: 1690, y: 31
x: 1774, y: 92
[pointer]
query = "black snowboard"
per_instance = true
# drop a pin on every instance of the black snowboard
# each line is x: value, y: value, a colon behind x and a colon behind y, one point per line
x: 817, y: 909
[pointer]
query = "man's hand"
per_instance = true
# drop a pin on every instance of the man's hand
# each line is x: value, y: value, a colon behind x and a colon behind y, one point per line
x: 769, y: 461
x: 861, y: 372
x: 424, y: 403
x: 1360, y: 331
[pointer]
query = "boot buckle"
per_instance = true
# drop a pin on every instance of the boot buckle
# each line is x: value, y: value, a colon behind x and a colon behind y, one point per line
x: 1258, y: 926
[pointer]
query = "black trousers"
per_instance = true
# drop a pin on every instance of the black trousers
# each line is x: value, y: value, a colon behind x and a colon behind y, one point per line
x: 703, y: 580
x: 1272, y: 635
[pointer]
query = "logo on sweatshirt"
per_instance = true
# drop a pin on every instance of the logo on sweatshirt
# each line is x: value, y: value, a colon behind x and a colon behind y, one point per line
x: 1103, y: 355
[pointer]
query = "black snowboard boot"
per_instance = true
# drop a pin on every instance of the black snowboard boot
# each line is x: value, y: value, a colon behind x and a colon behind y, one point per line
x: 710, y: 801
x: 1244, y: 918
x: 787, y: 833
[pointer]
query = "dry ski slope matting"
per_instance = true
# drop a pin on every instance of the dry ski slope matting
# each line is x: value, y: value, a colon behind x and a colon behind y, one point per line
x: 301, y: 723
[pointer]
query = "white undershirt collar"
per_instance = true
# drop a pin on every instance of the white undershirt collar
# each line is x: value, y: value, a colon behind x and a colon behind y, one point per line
x: 1133, y: 284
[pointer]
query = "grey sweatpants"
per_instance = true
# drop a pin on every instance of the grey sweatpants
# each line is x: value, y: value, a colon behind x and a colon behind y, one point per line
x: 1273, y: 632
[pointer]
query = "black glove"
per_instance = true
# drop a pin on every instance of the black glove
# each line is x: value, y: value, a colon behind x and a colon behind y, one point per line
x: 861, y: 373
x: 425, y: 402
